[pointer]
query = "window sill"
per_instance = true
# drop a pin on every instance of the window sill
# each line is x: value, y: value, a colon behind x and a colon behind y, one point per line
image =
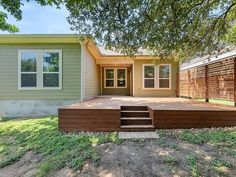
x: 43, y: 89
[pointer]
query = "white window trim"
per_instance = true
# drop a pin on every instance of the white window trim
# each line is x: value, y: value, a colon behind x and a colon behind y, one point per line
x: 39, y: 63
x: 105, y: 78
x: 156, y: 78
x: 115, y: 78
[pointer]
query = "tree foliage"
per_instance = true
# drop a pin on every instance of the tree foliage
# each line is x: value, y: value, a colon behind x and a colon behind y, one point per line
x: 164, y: 27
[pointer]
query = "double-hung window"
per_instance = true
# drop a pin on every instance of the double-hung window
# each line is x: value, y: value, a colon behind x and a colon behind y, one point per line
x: 109, y: 77
x: 164, y: 76
x: 115, y: 77
x: 157, y: 76
x: 149, y: 76
x: 40, y: 69
x: 28, y: 69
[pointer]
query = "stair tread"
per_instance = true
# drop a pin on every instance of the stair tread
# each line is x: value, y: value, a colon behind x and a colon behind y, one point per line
x: 137, y: 126
x: 135, y: 118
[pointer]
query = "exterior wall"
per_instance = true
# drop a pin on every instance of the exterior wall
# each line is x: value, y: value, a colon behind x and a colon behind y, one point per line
x: 91, y: 76
x: 116, y: 91
x: 31, y: 108
x: 71, y: 79
x: 138, y: 80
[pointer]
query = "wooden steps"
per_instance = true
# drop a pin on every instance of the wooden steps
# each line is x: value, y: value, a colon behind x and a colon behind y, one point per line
x: 134, y: 113
x: 136, y: 121
x: 135, y: 118
x: 137, y: 128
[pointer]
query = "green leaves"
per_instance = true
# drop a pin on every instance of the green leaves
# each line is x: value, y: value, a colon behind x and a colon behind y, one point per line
x: 183, y: 28
x: 165, y: 27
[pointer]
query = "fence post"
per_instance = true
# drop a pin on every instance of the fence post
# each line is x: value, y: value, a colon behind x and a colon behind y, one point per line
x: 234, y: 81
x: 206, y: 84
x: 189, y: 84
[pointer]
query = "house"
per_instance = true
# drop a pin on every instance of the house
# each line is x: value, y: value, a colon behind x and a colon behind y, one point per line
x: 39, y: 73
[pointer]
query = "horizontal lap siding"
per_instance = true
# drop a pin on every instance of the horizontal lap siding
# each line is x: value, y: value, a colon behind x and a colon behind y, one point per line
x: 138, y: 80
x: 89, y: 120
x: 71, y: 58
x: 91, y: 75
x: 193, y: 119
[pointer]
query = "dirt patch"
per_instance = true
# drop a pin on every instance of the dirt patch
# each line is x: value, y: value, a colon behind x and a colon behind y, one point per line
x: 155, y: 158
x: 137, y: 158
x: 27, y: 166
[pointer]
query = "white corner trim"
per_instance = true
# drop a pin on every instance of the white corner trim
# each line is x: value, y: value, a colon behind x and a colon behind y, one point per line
x: 82, y: 73
x: 133, y: 78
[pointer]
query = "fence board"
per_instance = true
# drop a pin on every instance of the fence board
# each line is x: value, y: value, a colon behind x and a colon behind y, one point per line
x: 219, y: 81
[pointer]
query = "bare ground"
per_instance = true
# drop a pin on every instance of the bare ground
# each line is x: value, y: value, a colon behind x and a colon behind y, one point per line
x: 137, y: 158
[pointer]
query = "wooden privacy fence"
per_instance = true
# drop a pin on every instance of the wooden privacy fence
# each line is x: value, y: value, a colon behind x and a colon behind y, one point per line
x: 215, y: 80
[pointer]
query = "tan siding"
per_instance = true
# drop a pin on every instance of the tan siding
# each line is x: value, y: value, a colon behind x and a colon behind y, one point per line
x: 71, y: 59
x: 138, y: 80
x: 91, y: 75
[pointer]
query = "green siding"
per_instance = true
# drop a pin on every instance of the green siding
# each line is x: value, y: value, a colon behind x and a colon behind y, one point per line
x: 71, y: 66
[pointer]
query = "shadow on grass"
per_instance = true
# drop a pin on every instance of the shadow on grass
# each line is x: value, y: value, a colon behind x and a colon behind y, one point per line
x: 42, y: 136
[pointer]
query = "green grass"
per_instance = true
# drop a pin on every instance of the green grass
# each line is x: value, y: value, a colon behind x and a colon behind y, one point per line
x: 162, y: 142
x: 42, y: 136
x: 192, y: 165
x: 218, y: 101
x: 170, y: 160
x: 224, y: 137
x: 220, y: 163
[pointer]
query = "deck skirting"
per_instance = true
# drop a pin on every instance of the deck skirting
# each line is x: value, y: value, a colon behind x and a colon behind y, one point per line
x: 175, y: 119
x: 97, y: 120
x: 109, y: 120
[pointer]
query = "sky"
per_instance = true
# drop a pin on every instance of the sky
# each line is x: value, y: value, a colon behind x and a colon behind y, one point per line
x: 41, y: 20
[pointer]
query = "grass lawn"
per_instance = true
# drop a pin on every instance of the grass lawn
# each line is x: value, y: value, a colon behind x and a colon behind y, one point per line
x: 195, y: 152
x: 42, y: 136
x: 218, y: 101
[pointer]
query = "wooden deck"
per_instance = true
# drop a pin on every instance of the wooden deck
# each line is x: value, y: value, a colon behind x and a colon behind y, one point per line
x: 129, y: 114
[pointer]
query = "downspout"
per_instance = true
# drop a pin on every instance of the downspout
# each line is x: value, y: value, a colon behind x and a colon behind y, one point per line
x: 82, y: 72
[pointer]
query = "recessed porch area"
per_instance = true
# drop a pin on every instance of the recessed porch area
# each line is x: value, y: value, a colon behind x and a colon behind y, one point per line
x: 125, y: 113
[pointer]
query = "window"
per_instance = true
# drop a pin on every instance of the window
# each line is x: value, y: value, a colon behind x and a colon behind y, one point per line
x: 156, y: 77
x: 40, y: 69
x: 115, y: 78
x: 164, y: 76
x: 149, y: 76
x: 28, y: 69
x: 121, y: 77
x: 50, y: 69
x: 110, y: 77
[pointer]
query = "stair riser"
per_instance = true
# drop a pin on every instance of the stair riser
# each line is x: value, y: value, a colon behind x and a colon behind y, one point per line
x: 134, y: 114
x: 134, y: 108
x: 136, y: 122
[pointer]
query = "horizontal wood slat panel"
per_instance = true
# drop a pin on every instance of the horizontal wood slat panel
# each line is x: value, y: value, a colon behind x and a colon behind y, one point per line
x: 193, y: 118
x: 88, y: 111
x: 86, y: 121
x: 218, y: 80
x: 89, y: 119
